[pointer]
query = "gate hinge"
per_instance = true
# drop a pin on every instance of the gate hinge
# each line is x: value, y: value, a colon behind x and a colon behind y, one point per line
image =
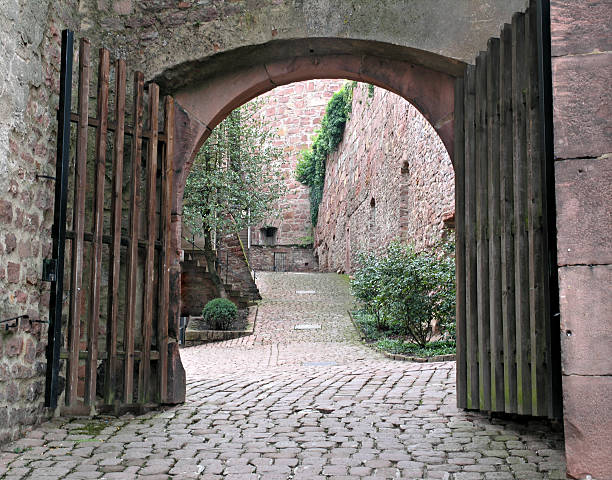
x: 49, y: 273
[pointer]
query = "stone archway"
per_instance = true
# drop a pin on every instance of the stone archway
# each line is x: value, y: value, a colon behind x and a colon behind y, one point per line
x: 204, y: 104
x: 240, y: 74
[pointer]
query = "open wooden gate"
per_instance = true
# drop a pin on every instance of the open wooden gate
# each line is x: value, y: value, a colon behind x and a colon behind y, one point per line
x: 508, y: 356
x: 108, y: 335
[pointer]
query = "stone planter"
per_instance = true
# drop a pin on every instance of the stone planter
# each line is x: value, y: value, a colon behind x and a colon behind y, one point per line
x: 197, y: 337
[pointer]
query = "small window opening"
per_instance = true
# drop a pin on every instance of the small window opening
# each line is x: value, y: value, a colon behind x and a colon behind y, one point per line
x: 269, y: 235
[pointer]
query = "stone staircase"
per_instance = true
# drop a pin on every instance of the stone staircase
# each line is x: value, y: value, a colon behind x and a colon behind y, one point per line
x: 197, y: 287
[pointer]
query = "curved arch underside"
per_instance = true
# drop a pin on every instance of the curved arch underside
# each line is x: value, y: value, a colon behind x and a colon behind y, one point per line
x: 209, y: 97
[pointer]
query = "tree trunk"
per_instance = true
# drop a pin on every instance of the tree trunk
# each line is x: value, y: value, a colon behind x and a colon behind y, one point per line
x: 211, y: 257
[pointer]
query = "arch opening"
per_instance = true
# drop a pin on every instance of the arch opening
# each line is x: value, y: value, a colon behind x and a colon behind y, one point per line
x: 205, y: 100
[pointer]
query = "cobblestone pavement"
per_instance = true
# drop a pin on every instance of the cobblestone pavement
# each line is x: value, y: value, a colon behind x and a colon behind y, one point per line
x: 296, y: 404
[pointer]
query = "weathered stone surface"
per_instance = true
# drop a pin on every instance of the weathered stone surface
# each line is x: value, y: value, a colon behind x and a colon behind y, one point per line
x: 29, y: 81
x: 263, y: 407
x: 583, y: 228
x: 296, y: 258
x: 582, y: 105
x: 587, y: 407
x: 586, y: 319
x: 294, y: 113
x: 391, y: 177
x: 580, y: 27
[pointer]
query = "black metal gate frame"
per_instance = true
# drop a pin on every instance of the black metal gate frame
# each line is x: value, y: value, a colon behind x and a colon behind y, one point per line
x: 59, y: 221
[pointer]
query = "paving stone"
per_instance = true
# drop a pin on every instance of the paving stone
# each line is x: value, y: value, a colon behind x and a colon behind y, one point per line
x: 310, y: 404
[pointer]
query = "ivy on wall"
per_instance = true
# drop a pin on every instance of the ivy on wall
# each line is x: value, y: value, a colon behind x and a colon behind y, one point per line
x: 310, y: 169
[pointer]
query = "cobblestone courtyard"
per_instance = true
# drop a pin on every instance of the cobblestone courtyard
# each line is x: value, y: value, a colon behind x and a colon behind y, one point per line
x: 296, y: 404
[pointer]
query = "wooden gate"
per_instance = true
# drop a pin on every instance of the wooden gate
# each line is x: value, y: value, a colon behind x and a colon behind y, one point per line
x: 508, y: 356
x: 280, y: 262
x: 108, y: 336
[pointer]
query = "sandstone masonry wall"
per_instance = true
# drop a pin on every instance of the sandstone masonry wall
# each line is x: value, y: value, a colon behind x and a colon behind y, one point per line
x: 391, y: 178
x: 582, y: 106
x: 295, y: 112
x: 29, y: 84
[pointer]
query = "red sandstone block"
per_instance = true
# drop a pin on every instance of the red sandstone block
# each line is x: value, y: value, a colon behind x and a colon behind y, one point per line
x: 583, y: 225
x: 13, y: 346
x: 587, y: 405
x: 10, y: 242
x: 582, y: 105
x: 6, y: 212
x: 586, y: 319
x: 580, y: 26
x: 13, y: 270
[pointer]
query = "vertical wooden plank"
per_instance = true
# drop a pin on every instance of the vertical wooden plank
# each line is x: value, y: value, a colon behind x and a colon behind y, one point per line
x: 115, y: 249
x: 471, y: 288
x: 482, y: 244
x: 132, y: 276
x: 521, y: 245
x: 494, y: 227
x: 78, y: 225
x: 459, y: 164
x: 151, y: 178
x: 507, y: 219
x: 96, y: 258
x: 541, y: 385
x: 166, y: 220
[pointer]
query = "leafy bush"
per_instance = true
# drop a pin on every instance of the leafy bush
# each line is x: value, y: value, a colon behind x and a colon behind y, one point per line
x: 411, y: 289
x: 432, y: 349
x: 220, y: 313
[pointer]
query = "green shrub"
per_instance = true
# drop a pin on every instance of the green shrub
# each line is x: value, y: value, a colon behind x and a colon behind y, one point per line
x: 408, y: 289
x: 220, y: 313
x: 432, y: 349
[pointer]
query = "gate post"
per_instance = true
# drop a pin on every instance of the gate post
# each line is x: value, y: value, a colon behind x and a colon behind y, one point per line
x: 59, y: 221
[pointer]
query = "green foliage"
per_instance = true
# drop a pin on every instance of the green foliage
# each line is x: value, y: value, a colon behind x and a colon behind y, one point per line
x: 408, y: 291
x: 310, y: 169
x: 370, y: 90
x: 306, y: 241
x: 220, y: 313
x: 432, y: 349
x: 235, y: 179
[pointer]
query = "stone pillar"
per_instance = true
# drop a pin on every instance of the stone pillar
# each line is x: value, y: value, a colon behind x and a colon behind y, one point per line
x: 582, y: 68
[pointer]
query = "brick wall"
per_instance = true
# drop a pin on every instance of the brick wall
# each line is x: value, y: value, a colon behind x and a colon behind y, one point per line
x: 29, y: 85
x: 391, y: 177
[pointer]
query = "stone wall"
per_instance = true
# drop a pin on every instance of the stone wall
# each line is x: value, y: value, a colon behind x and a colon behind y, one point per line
x: 582, y: 68
x: 391, y: 178
x: 294, y: 112
x: 29, y: 85
x: 283, y: 258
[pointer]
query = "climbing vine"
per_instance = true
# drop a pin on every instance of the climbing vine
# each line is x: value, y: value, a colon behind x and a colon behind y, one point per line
x: 310, y: 169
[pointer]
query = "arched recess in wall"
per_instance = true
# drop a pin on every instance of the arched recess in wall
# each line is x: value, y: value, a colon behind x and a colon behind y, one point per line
x: 206, y: 92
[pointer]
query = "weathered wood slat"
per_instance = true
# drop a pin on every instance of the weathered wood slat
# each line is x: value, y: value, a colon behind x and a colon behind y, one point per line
x: 96, y: 258
x: 521, y: 245
x: 164, y: 276
x: 507, y: 220
x: 108, y: 240
x: 471, y: 288
x: 482, y: 244
x: 78, y: 223
x: 541, y: 380
x: 115, y: 251
x: 154, y: 354
x: 112, y: 126
x: 494, y: 228
x: 459, y: 164
x: 132, y: 275
x: 151, y: 179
